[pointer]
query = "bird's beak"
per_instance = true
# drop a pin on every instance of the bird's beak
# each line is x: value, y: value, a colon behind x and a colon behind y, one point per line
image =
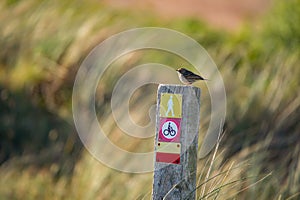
x: 177, y: 70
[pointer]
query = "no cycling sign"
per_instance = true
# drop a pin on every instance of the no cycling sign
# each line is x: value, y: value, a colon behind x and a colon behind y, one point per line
x: 168, y: 147
x: 169, y: 130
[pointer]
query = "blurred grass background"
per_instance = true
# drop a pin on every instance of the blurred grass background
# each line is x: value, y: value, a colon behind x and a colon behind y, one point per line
x: 42, y: 46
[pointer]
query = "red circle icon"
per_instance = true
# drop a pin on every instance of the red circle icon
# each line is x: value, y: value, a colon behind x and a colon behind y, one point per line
x: 169, y: 130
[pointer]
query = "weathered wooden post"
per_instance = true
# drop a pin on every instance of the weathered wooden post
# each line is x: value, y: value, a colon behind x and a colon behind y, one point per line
x: 176, y: 142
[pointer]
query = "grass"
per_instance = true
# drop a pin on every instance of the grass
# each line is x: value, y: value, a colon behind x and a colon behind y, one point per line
x: 43, y: 44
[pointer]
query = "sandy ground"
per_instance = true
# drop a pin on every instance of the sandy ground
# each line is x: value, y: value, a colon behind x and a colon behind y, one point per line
x: 228, y: 14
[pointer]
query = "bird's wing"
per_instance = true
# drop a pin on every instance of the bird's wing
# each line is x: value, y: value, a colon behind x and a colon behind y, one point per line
x: 191, y: 75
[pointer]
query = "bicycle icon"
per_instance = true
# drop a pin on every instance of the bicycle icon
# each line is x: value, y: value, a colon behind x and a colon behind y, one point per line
x: 169, y: 131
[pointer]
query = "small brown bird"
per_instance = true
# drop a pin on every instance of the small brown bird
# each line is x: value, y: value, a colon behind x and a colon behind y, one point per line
x: 188, y: 77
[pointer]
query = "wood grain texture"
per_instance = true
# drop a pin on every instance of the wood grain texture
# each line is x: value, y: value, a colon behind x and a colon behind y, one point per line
x: 172, y: 181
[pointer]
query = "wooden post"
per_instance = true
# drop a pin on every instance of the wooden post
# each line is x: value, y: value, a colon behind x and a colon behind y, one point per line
x: 176, y: 142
